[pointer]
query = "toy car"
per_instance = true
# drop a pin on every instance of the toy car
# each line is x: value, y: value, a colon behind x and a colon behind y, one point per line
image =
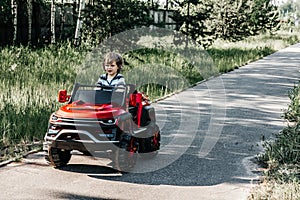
x: 114, y: 120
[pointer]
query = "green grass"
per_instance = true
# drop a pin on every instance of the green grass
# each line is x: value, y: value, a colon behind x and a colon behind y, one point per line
x: 228, y: 56
x: 281, y: 157
x: 159, y: 72
x: 31, y: 77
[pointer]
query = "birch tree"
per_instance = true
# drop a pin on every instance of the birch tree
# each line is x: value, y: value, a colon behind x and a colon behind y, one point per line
x: 29, y: 12
x: 62, y: 19
x: 14, y: 12
x: 79, y: 22
x: 52, y: 26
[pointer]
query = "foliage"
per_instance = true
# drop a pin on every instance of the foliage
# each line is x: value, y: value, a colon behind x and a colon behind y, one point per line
x: 264, y: 16
x: 290, y: 13
x: 290, y: 8
x: 292, y: 113
x: 193, y: 17
x: 205, y: 21
x: 5, y: 12
x: 106, y: 18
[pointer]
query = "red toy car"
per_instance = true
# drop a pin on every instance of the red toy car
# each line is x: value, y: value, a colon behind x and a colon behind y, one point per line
x: 96, y: 119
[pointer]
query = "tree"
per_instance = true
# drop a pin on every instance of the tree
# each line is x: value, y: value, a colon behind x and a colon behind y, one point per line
x: 79, y: 22
x: 105, y: 18
x: 192, y: 17
x: 14, y: 14
x: 7, y: 8
x: 52, y: 25
x: 239, y: 19
x: 290, y: 12
x: 29, y: 14
x: 264, y: 17
x: 204, y: 21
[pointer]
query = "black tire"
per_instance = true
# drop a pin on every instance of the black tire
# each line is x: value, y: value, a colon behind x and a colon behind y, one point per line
x: 124, y: 158
x: 57, y: 157
x: 151, y: 145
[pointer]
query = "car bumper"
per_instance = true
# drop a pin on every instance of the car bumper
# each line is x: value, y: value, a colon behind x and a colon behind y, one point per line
x: 84, y: 141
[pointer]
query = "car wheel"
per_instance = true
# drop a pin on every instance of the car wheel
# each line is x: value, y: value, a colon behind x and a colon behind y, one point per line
x: 151, y: 145
x: 125, y: 156
x: 58, y: 157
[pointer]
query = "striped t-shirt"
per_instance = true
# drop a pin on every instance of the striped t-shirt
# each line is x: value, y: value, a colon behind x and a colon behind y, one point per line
x: 117, y: 80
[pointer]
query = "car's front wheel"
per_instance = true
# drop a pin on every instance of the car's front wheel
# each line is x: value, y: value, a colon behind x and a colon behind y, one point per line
x: 57, y: 157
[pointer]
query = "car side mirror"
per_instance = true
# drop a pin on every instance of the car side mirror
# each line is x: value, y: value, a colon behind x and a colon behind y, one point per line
x: 63, y: 96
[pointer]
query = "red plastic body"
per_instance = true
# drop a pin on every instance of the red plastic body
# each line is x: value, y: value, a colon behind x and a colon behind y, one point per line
x: 139, y: 105
x: 63, y: 96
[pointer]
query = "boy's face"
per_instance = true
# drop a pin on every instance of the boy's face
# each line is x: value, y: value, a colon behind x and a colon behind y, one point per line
x: 111, y: 68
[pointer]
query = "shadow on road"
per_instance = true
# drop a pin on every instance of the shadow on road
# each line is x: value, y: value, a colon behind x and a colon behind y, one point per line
x: 188, y: 170
x: 88, y: 169
x: 62, y: 195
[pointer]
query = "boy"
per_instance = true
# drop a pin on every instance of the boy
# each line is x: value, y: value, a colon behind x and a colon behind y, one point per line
x: 112, y: 64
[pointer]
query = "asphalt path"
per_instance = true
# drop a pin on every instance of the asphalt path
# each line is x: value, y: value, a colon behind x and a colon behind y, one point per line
x: 210, y: 135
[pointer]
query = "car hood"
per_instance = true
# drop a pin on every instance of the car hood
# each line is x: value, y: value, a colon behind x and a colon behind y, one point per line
x: 87, y: 110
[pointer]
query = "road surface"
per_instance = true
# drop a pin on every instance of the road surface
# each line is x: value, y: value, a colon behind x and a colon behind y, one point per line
x: 210, y: 162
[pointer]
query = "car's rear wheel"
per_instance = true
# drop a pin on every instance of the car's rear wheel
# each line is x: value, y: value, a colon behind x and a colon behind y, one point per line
x: 151, y: 145
x: 57, y: 157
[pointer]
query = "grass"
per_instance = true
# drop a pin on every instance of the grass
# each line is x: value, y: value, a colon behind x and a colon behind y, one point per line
x: 160, y: 72
x: 31, y: 77
x: 281, y: 157
x: 276, y: 191
x: 228, y: 56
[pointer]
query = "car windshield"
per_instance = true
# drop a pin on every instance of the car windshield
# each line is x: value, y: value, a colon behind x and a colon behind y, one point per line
x: 99, y: 95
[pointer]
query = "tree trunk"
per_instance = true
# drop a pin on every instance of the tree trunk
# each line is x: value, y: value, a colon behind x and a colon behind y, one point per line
x: 14, y: 9
x: 29, y: 11
x: 79, y: 22
x: 187, y: 24
x: 52, y: 27
x: 62, y: 20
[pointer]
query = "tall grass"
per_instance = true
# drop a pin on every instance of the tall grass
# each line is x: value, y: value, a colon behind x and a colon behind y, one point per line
x: 281, y: 157
x: 228, y: 56
x: 30, y: 78
x: 158, y: 72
